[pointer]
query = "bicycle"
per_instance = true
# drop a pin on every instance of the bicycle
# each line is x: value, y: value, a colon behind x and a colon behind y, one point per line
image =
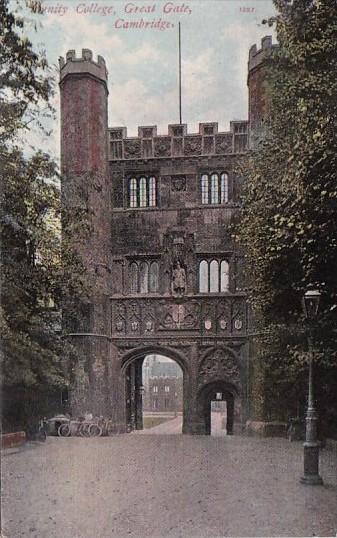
x: 106, y: 426
x: 79, y: 427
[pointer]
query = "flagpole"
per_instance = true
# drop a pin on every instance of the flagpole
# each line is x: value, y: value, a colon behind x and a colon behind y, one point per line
x: 180, y: 113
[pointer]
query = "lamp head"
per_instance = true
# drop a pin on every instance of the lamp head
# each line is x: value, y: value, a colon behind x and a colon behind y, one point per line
x: 311, y: 303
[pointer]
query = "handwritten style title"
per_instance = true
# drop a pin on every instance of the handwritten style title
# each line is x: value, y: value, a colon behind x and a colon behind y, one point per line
x: 143, y: 13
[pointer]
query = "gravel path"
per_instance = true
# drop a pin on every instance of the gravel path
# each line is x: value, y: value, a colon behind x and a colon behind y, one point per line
x: 165, y: 485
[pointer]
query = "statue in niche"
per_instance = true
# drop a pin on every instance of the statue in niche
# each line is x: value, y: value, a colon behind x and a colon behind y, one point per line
x: 178, y: 279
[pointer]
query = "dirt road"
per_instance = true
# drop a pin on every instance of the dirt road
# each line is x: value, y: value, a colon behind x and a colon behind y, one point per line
x: 165, y: 486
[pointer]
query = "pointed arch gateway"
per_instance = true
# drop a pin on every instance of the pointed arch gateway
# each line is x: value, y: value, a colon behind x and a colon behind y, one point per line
x: 131, y: 364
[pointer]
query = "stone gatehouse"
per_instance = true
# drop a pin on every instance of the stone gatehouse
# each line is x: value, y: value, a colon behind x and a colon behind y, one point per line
x: 165, y: 276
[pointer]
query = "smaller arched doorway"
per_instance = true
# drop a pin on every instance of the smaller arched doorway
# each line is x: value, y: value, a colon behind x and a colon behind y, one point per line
x: 218, y: 391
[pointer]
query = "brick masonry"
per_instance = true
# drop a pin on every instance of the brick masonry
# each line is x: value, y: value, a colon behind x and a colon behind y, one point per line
x: 166, y: 233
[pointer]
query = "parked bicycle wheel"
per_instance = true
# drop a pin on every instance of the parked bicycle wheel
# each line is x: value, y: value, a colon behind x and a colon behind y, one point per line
x: 84, y: 429
x: 64, y: 430
x: 95, y: 430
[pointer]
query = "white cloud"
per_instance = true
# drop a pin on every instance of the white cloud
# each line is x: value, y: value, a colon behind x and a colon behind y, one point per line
x: 146, y: 53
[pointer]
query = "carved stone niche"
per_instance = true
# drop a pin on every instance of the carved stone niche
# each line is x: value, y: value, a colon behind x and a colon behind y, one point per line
x: 219, y: 365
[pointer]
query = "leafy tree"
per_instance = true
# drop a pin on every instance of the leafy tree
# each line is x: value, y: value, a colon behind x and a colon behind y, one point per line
x: 288, y: 225
x: 34, y: 283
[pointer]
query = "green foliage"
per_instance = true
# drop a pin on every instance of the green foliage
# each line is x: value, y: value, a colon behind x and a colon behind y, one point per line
x: 35, y: 279
x: 288, y: 227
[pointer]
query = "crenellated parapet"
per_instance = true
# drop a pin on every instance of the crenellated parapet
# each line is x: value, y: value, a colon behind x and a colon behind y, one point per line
x: 178, y: 142
x: 84, y: 65
x: 259, y: 56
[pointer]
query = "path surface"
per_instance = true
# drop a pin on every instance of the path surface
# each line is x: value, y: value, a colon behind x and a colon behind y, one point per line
x: 171, y: 427
x: 165, y: 486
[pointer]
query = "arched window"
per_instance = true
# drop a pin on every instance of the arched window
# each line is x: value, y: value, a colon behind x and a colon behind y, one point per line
x: 204, y: 189
x: 133, y: 192
x: 154, y: 277
x: 144, y: 278
x: 134, y: 277
x: 203, y: 276
x: 224, y: 276
x: 224, y: 189
x: 152, y: 191
x: 214, y: 277
x: 142, y: 192
x: 214, y: 189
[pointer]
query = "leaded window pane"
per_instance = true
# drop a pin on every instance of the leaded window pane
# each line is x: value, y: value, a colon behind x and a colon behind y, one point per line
x: 203, y: 276
x: 142, y: 192
x: 214, y: 277
x: 154, y: 277
x: 133, y: 192
x: 214, y: 189
x: 152, y: 191
x: 204, y: 189
x: 224, y: 188
x: 224, y: 272
x: 144, y: 277
x: 134, y: 277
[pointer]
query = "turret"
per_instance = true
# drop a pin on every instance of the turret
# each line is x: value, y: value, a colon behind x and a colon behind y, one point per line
x: 258, y: 100
x: 86, y: 199
x: 84, y: 159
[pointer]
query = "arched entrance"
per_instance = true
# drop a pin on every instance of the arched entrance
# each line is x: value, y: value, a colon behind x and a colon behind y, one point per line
x: 134, y: 382
x: 219, y: 379
x: 218, y: 391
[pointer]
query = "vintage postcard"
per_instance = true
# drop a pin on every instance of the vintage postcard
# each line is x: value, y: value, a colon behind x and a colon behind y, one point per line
x: 134, y: 355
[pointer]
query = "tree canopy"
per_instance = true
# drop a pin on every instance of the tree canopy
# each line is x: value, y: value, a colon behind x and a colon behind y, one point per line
x: 34, y: 280
x: 288, y: 225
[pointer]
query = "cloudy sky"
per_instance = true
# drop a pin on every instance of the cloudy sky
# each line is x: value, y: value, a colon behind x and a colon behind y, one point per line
x: 143, y: 63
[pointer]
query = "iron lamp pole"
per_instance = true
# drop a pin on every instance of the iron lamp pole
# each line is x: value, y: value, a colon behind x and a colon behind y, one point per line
x: 311, y: 445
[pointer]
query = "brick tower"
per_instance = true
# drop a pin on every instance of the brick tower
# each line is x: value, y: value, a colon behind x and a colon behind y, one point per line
x: 258, y: 88
x: 86, y: 201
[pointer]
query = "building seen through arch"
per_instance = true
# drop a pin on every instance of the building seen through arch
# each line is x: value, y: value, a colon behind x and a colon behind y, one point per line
x: 165, y: 276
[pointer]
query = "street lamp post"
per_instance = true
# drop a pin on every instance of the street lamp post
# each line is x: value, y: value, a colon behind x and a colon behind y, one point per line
x: 311, y: 446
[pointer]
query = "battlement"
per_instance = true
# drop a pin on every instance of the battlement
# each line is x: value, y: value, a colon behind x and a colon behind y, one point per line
x: 83, y: 65
x: 258, y: 56
x: 178, y: 142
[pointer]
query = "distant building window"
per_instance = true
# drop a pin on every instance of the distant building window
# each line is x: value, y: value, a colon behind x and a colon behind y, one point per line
x: 167, y: 388
x: 155, y: 388
x: 213, y: 276
x: 166, y: 403
x: 214, y: 191
x: 144, y: 276
x: 142, y: 191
